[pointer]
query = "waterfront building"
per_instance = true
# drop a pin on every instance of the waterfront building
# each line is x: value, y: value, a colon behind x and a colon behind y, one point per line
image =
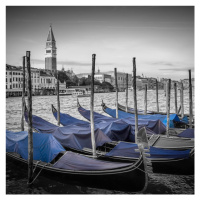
x: 186, y: 83
x: 14, y: 80
x: 50, y: 51
x: 121, y: 80
x: 43, y: 81
x: 47, y: 82
x: 141, y: 82
x: 102, y: 77
x: 35, y: 80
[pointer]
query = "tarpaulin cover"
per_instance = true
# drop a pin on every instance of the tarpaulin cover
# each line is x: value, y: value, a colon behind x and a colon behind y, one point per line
x: 128, y: 150
x: 162, y: 118
x: 153, y: 126
x: 118, y: 129
x: 187, y: 133
x: 72, y: 136
x: 77, y: 162
x: 45, y: 146
x: 66, y: 119
x: 185, y: 120
x: 115, y: 130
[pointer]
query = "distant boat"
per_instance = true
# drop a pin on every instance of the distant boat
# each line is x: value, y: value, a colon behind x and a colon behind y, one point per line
x: 64, y: 93
x: 67, y: 92
x: 81, y: 93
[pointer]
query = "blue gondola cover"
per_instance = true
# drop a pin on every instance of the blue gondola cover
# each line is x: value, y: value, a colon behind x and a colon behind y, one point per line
x: 77, y: 162
x: 187, y: 133
x: 73, y: 136
x: 153, y: 125
x: 162, y: 118
x: 45, y: 146
x: 128, y: 150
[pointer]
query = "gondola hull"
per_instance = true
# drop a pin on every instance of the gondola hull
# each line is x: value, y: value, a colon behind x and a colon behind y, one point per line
x: 158, y: 165
x: 132, y: 178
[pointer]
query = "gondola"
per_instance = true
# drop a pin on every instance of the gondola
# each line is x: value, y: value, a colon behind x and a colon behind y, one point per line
x: 182, y: 123
x: 76, y: 137
x: 184, y: 134
x: 115, y: 129
x: 55, y: 162
x: 154, y: 126
x: 175, y: 121
x: 131, y: 110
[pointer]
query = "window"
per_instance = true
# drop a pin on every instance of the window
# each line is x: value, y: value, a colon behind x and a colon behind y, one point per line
x: 6, y: 80
x: 6, y: 87
x: 10, y: 73
x: 48, y: 51
x: 10, y: 79
x: 13, y: 79
x: 13, y: 85
x: 10, y: 86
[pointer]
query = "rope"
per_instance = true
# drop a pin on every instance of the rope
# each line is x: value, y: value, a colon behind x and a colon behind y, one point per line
x: 36, y: 165
x: 38, y: 172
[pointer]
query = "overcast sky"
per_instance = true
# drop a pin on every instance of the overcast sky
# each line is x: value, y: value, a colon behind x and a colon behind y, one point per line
x: 161, y: 38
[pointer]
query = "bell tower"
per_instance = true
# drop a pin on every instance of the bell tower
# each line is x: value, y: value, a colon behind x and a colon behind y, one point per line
x: 50, y: 51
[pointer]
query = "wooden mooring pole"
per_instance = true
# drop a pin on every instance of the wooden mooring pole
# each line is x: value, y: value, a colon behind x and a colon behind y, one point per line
x: 190, y: 99
x: 116, y: 86
x: 135, y: 98
x: 175, y: 98
x: 181, y: 99
x: 30, y: 131
x: 168, y: 105
x: 157, y: 105
x: 169, y: 93
x: 168, y: 84
x: 145, y: 99
x: 92, y: 107
x: 23, y: 93
x: 58, y: 101
x: 126, y: 92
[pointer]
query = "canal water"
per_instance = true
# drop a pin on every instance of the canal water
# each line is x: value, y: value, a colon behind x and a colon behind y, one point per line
x: 16, y: 179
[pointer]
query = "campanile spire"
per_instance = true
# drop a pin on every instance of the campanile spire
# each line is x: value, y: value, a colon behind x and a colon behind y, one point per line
x: 50, y: 51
